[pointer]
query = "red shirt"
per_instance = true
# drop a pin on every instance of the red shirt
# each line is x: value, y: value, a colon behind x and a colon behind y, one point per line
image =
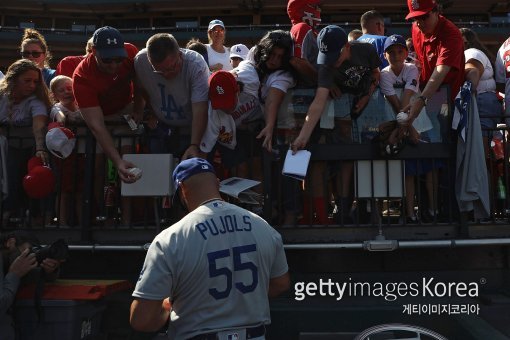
x: 68, y: 64
x: 444, y: 47
x: 112, y: 93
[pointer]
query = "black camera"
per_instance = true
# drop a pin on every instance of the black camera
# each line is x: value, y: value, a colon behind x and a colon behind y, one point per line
x: 58, y: 250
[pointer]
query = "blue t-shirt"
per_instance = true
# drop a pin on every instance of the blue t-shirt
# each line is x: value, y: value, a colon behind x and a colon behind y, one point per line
x: 378, y: 42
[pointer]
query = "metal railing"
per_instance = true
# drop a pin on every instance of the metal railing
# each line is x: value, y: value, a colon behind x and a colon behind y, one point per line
x: 93, y: 217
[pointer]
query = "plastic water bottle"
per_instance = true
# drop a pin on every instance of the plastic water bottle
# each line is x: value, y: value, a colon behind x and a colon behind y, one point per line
x: 501, y: 189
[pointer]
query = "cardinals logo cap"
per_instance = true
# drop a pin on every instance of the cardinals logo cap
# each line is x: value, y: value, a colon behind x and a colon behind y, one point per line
x: 419, y: 7
x: 223, y: 90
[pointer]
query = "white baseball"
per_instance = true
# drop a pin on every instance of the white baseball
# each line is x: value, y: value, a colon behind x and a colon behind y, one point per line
x: 136, y: 173
x: 402, y: 117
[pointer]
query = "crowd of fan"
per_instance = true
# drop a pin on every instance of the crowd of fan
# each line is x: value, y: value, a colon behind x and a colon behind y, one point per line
x: 208, y: 100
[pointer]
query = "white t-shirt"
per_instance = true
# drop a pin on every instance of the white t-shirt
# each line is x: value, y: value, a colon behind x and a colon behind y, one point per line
x: 21, y: 114
x: 222, y: 58
x: 215, y: 266
x: 247, y: 74
x: 281, y: 80
x: 58, y: 107
x: 407, y: 79
x: 487, y: 82
x: 171, y: 99
x: 502, y: 72
x: 220, y: 128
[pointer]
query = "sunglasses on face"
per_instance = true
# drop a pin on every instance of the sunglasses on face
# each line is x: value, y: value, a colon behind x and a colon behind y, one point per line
x: 35, y: 54
x: 112, y: 60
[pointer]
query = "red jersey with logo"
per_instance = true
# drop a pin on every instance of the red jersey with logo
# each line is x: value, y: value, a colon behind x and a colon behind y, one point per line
x: 444, y: 47
x: 112, y: 92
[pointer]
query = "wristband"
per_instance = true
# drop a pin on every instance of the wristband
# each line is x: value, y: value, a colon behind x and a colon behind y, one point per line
x: 194, y: 144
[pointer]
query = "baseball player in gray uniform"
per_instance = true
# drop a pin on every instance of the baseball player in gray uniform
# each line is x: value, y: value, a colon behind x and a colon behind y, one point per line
x: 212, y: 272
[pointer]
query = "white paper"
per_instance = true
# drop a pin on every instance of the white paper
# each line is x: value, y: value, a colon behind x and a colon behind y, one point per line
x: 296, y: 165
x: 238, y: 188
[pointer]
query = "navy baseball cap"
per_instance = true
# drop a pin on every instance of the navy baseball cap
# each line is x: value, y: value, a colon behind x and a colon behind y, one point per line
x: 394, y: 39
x: 188, y: 168
x: 109, y: 43
x: 331, y: 40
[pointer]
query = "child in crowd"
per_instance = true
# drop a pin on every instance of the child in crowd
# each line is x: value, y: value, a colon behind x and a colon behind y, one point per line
x: 233, y: 111
x: 404, y: 77
x: 196, y: 45
x: 354, y: 34
x: 238, y: 53
x: 66, y: 111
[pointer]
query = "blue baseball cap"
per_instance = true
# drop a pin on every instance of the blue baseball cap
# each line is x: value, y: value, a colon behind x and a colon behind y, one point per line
x: 394, y: 39
x: 331, y: 40
x: 188, y: 168
x: 108, y: 43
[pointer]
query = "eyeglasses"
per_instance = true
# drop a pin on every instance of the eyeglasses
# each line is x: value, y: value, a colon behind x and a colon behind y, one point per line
x: 421, y: 17
x: 112, y: 60
x: 35, y: 54
x: 170, y: 69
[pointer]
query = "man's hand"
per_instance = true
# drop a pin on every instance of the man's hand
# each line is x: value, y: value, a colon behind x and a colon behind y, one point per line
x: 123, y: 170
x: 360, y: 105
x: 192, y: 151
x: 24, y: 263
x: 216, y: 67
x: 267, y: 133
x: 50, y: 265
x: 335, y: 92
x: 299, y: 143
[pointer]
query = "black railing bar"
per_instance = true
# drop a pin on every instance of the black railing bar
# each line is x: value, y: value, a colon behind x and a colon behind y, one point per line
x: 311, y: 246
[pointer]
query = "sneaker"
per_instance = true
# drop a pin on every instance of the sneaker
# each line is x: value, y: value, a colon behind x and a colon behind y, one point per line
x: 428, y: 217
x: 412, y: 219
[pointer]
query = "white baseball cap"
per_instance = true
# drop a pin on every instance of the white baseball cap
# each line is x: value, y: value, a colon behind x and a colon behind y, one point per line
x: 239, y: 51
x: 215, y: 22
x: 60, y: 141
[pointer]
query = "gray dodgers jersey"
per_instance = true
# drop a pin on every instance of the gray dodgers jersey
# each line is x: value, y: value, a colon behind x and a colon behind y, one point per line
x: 215, y: 265
x: 171, y: 99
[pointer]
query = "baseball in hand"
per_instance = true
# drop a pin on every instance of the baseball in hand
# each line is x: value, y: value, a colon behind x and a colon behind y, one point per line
x: 402, y: 117
x: 136, y: 173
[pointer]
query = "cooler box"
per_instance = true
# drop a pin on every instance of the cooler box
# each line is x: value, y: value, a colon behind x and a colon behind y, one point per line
x: 70, y: 309
x: 61, y: 319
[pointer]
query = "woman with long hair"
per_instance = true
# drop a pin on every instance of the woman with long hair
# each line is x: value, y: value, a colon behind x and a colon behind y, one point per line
x: 34, y: 47
x: 271, y: 58
x: 24, y: 106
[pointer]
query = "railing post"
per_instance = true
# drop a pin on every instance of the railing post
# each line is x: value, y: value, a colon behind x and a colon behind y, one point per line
x: 88, y: 188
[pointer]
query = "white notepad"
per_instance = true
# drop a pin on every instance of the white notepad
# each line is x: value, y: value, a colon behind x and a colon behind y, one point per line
x: 296, y: 165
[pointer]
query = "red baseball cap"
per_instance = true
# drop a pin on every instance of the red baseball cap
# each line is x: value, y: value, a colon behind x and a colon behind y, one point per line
x: 223, y: 90
x: 419, y: 7
x: 39, y: 183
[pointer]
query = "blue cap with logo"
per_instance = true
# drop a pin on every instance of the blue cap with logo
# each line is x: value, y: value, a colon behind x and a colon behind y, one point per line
x: 394, y: 39
x: 108, y: 43
x: 331, y: 40
x: 190, y: 167
x: 215, y: 22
